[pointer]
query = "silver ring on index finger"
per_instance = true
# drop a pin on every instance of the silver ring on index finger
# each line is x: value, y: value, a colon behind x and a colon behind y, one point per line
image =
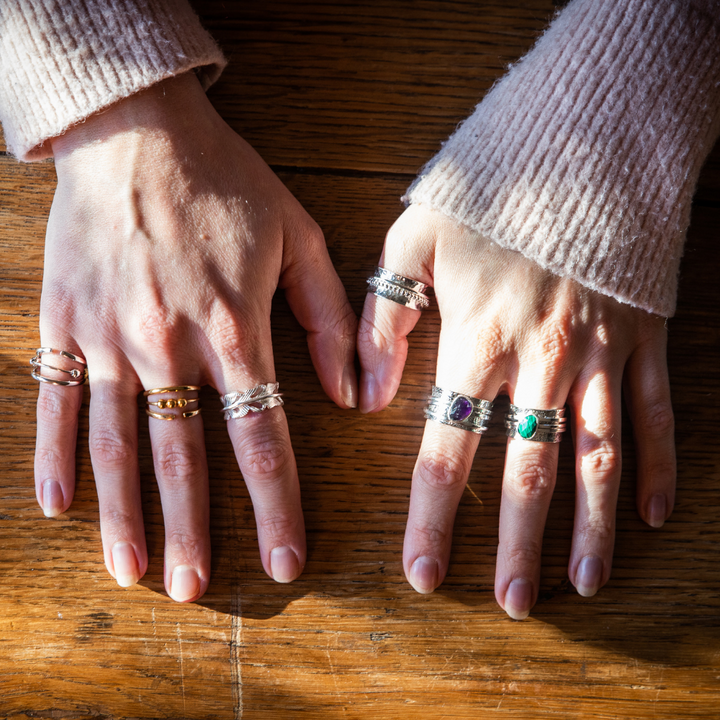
x: 43, y: 371
x: 457, y: 410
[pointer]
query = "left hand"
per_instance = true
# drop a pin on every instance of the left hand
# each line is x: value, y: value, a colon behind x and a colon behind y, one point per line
x: 508, y: 326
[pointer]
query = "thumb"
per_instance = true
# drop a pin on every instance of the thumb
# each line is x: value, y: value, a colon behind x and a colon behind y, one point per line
x: 386, y: 322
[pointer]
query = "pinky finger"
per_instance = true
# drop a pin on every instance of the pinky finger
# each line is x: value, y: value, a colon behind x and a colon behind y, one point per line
x: 57, y: 424
x: 648, y: 393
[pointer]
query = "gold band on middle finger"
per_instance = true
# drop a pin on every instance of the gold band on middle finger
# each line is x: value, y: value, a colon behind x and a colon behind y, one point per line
x: 172, y: 403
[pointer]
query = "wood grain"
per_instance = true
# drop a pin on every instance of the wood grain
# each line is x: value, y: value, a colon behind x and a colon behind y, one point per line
x: 346, y: 102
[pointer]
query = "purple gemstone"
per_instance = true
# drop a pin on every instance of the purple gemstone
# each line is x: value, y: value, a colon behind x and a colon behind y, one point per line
x: 460, y: 409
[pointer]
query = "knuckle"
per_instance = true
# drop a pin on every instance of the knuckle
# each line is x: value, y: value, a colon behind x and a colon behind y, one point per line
x: 267, y: 459
x: 110, y: 447
x: 156, y: 328
x: 527, y: 555
x: 440, y: 470
x: 179, y: 462
x: 431, y: 535
x: 656, y: 420
x: 54, y: 404
x: 116, y: 521
x: 50, y: 457
x: 491, y: 348
x: 185, y: 544
x: 278, y: 525
x: 599, y: 529
x: 532, y: 479
x: 602, y: 462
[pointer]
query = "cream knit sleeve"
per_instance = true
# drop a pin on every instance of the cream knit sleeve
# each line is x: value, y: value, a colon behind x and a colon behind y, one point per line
x: 585, y: 156
x: 63, y: 60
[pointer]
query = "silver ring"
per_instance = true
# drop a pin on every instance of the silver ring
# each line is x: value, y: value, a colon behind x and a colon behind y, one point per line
x: 457, y: 410
x: 258, y: 399
x: 78, y: 375
x: 537, y: 425
x: 399, y: 289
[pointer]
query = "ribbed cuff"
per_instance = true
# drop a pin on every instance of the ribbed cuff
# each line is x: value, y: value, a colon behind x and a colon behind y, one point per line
x: 585, y: 156
x: 61, y: 61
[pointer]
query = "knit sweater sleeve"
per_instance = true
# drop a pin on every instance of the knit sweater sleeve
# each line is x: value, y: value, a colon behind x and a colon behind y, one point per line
x: 61, y: 61
x: 585, y: 156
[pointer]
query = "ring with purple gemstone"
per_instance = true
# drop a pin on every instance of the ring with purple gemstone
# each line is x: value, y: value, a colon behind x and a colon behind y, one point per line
x: 398, y: 288
x: 457, y: 410
x: 538, y: 425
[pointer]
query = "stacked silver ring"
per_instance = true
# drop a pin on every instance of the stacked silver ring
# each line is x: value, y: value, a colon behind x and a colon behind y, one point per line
x: 457, y: 410
x: 258, y: 399
x: 537, y: 425
x: 399, y: 289
x: 78, y: 375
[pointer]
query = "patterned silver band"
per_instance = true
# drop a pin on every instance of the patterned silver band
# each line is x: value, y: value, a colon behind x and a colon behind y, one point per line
x: 457, y: 410
x: 536, y: 425
x: 399, y: 289
x: 78, y: 375
x: 257, y: 399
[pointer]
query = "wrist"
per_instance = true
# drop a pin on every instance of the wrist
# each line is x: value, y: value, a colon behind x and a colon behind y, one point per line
x: 164, y: 109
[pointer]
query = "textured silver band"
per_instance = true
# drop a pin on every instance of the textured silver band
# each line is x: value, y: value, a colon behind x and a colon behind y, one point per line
x: 398, y: 288
x: 258, y: 399
x: 78, y: 375
x: 457, y: 410
x: 536, y: 425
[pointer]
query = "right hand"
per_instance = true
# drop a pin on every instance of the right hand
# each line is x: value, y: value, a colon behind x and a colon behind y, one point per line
x: 166, y: 241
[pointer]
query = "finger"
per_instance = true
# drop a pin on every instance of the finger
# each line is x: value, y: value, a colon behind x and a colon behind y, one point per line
x: 385, y: 324
x: 648, y: 392
x: 596, y: 419
x: 57, y: 425
x: 181, y: 470
x: 439, y: 478
x: 114, y: 456
x: 528, y: 484
x: 267, y: 462
x: 262, y: 446
x: 445, y: 458
x: 318, y: 299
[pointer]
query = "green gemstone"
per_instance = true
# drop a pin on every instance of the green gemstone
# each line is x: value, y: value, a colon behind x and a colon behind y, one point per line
x: 527, y: 426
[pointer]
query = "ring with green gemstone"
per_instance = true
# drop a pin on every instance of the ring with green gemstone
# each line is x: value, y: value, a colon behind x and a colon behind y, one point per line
x: 536, y: 425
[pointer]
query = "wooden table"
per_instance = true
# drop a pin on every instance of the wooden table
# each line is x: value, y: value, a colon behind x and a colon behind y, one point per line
x: 346, y: 102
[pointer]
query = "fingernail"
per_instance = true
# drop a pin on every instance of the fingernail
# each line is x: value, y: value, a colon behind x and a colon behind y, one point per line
x: 589, y: 575
x: 125, y: 562
x: 657, y: 510
x: 53, y: 501
x: 284, y: 565
x: 184, y: 584
x: 368, y: 393
x: 349, y: 387
x: 424, y: 575
x: 518, y: 599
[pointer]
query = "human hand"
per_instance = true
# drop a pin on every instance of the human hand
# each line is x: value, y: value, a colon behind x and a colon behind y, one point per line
x: 167, y: 238
x: 508, y: 326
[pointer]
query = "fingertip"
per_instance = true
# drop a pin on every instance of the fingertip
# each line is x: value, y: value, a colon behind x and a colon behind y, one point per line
x: 519, y: 599
x: 588, y: 577
x: 52, y: 499
x: 424, y: 575
x: 656, y: 512
x: 125, y: 564
x: 285, y: 565
x: 185, y: 584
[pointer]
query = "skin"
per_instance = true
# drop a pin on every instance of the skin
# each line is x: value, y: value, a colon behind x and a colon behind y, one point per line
x: 167, y: 238
x: 508, y: 326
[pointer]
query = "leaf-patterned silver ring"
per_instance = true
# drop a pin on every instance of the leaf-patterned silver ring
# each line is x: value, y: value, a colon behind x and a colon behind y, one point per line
x: 258, y: 399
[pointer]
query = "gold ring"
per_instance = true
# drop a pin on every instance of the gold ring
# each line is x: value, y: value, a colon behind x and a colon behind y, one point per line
x: 174, y: 388
x: 176, y: 403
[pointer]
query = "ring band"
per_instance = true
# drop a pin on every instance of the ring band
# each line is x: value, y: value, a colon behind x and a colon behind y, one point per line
x: 262, y: 397
x: 537, y: 425
x: 172, y: 403
x: 78, y: 375
x: 398, y: 288
x: 458, y: 410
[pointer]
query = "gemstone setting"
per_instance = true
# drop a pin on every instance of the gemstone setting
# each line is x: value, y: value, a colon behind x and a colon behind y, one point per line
x: 527, y: 426
x: 460, y: 410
